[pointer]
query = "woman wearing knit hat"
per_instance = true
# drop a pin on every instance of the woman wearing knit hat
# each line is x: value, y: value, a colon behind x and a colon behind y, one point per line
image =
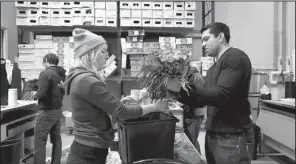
x: 91, y: 102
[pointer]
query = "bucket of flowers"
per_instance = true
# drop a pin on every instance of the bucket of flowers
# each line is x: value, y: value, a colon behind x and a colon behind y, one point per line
x: 163, y: 70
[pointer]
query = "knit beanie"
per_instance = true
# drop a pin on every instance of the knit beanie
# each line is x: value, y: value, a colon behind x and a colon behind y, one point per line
x: 85, y: 40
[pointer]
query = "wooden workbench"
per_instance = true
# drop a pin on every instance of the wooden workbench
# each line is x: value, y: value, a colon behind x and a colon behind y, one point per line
x: 16, y: 120
x: 183, y: 151
x: 277, y: 122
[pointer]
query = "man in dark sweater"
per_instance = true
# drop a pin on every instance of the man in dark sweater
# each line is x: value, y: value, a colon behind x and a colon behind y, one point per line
x: 229, y: 136
x: 50, y: 96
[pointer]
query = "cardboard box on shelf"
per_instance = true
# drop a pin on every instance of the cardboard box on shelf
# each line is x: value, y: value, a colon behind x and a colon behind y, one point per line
x: 100, y: 13
x: 147, y: 14
x: 146, y: 5
x: 77, y: 12
x: 111, y: 5
x: 26, y: 57
x: 168, y: 14
x: 157, y: 14
x: 125, y: 13
x: 134, y: 45
x: 22, y: 12
x: 22, y: 21
x: 151, y: 45
x: 179, y: 6
x: 157, y: 22
x: 125, y: 5
x: 125, y: 22
x: 134, y: 38
x: 111, y: 13
x: 33, y: 21
x: 168, y: 22
x: 76, y: 4
x: 190, y: 6
x: 43, y: 41
x: 56, y: 5
x: 134, y: 51
x: 137, y: 32
x: 157, y: 5
x: 111, y: 22
x: 100, y: 5
x: 179, y: 14
x: 167, y: 39
x: 136, y: 5
x: 88, y: 12
x: 55, y: 13
x: 66, y: 13
x: 136, y: 22
x: 147, y: 22
x: 189, y: 23
x: 183, y: 41
x: 77, y: 20
x: 189, y: 14
x: 44, y: 21
x: 136, y: 13
x: 45, y: 5
x: 21, y: 4
x: 88, y: 4
x: 56, y: 21
x: 67, y: 22
x: 66, y: 5
x: 43, y: 45
x: 100, y: 21
x: 45, y: 13
x: 179, y: 23
x: 168, y: 5
x: 165, y: 46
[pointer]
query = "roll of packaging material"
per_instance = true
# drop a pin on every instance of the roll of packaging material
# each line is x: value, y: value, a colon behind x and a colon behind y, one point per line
x: 12, y: 97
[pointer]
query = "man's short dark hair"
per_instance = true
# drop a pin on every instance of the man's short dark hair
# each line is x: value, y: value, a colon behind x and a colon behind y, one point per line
x: 216, y: 28
x: 51, y: 58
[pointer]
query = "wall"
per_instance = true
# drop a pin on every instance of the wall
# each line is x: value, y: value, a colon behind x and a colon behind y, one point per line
x: 8, y: 17
x: 251, y: 28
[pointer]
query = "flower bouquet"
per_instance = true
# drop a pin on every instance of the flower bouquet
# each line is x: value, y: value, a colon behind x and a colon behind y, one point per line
x: 164, y: 70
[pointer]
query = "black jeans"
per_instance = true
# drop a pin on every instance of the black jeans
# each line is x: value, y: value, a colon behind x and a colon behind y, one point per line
x: 48, y: 122
x: 230, y: 148
x: 82, y: 154
x: 192, y: 128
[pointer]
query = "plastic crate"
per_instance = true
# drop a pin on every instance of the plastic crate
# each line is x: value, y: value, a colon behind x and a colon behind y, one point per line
x: 150, y: 136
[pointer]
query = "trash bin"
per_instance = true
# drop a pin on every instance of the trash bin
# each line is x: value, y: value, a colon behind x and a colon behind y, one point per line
x: 10, y: 151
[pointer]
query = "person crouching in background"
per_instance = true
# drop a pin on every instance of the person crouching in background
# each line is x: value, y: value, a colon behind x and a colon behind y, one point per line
x: 50, y: 96
x: 92, y: 104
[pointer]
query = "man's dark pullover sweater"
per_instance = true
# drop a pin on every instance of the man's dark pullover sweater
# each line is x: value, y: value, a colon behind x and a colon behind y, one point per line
x: 226, y: 93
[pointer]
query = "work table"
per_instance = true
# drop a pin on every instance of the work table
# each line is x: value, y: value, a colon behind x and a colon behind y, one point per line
x: 277, y: 122
x: 183, y: 151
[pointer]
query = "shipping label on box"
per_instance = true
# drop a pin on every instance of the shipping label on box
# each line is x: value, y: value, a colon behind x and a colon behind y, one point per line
x: 100, y: 5
x: 111, y: 13
x: 100, y: 13
x: 100, y: 21
x: 125, y: 22
x: 157, y: 5
x: 179, y: 6
x: 168, y: 22
x: 147, y: 14
x: 45, y: 13
x: 125, y: 13
x: 146, y: 5
x: 136, y: 13
x: 147, y: 22
x: 157, y: 22
x: 125, y: 5
x: 136, y: 22
x: 157, y: 13
x: 111, y: 5
x: 190, y: 6
x: 168, y: 5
